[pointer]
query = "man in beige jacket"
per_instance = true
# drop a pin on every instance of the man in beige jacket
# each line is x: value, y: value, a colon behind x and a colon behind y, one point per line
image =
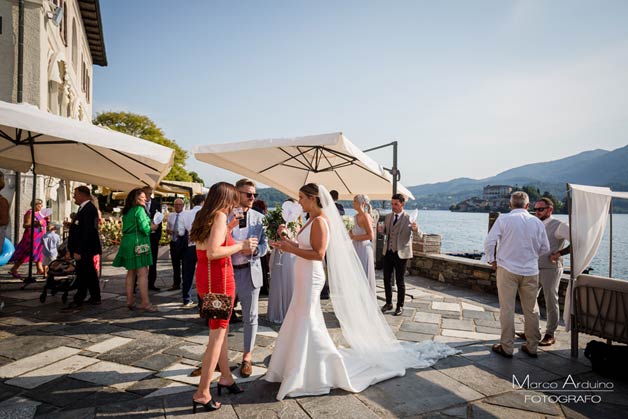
x: 397, y: 250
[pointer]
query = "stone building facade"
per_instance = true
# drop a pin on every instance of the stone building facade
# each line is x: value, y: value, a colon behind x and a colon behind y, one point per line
x: 498, y: 196
x: 63, y: 40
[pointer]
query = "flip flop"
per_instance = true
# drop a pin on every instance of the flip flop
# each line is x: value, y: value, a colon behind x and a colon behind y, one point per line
x: 15, y: 275
x: 150, y: 309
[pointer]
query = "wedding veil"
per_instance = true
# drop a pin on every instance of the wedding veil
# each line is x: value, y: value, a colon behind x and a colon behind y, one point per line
x: 363, y: 324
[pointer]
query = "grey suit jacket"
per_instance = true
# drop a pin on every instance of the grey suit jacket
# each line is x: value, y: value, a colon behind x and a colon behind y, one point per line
x: 256, y: 229
x: 404, y: 236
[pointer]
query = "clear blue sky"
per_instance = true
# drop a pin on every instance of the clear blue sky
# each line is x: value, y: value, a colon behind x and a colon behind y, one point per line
x: 468, y: 88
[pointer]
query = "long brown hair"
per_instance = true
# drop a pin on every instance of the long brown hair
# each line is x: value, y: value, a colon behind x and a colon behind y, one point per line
x: 221, y: 195
x: 132, y: 199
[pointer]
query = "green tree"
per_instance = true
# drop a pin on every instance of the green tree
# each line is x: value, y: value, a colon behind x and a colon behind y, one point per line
x: 143, y: 127
x: 196, y: 178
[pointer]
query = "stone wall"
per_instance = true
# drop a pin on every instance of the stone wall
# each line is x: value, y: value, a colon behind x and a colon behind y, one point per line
x: 463, y: 272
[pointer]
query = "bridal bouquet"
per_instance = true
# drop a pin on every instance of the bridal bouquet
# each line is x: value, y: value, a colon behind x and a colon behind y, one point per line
x: 273, y: 220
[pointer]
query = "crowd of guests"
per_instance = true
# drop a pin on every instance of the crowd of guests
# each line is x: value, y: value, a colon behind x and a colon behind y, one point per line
x: 221, y: 245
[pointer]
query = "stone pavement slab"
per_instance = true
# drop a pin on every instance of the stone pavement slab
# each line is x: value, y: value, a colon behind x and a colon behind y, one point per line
x: 108, y: 344
x: 36, y: 361
x: 63, y: 391
x: 398, y: 397
x: 19, y: 347
x: 446, y: 306
x: 519, y: 400
x: 18, y: 408
x: 471, y: 307
x: 52, y: 371
x: 148, y: 385
x: 416, y: 327
x: 473, y: 376
x: 458, y: 324
x: 421, y: 317
x: 483, y: 410
x: 173, y: 388
x: 335, y: 406
x: 413, y: 337
x: 156, y: 362
x: 181, y: 373
x: 469, y: 335
x: 118, y: 376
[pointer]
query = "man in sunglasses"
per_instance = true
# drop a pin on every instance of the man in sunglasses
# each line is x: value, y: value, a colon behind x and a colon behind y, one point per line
x: 247, y: 267
x: 551, y: 266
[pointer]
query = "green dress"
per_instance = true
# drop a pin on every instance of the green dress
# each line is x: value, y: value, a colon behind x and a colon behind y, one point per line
x: 135, y: 230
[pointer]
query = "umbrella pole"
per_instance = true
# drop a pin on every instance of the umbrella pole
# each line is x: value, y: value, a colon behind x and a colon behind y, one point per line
x: 32, y: 232
x: 572, y: 279
x: 16, y: 210
x: 20, y: 83
x: 610, y: 242
x: 30, y: 278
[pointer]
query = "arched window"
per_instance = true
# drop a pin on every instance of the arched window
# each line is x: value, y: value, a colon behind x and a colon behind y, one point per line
x: 74, y: 47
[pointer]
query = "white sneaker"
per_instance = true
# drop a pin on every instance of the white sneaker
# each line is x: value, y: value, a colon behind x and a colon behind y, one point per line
x: 191, y: 304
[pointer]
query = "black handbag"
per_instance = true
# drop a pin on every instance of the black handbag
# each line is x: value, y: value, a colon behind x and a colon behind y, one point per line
x: 215, y: 306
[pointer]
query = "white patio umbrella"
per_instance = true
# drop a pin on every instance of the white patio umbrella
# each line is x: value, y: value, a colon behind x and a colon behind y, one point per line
x: 69, y: 149
x: 31, y: 139
x: 286, y: 164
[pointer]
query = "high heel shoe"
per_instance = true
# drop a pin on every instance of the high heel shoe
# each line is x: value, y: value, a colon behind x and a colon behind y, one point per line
x: 210, y: 406
x: 233, y: 388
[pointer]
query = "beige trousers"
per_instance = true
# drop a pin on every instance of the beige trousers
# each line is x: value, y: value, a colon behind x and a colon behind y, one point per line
x: 549, y: 279
x: 508, y: 284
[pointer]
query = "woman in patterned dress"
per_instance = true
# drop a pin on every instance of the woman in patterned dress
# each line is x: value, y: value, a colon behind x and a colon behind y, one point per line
x: 23, y: 250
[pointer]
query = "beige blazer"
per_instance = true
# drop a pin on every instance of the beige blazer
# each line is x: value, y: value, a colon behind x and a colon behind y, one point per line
x: 404, y: 236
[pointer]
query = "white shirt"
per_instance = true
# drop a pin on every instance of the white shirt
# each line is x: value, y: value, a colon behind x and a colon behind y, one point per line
x: 187, y: 218
x: 180, y: 227
x: 521, y: 238
x: 562, y: 232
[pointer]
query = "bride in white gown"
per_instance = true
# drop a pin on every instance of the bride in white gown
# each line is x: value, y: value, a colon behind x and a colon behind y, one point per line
x: 305, y: 359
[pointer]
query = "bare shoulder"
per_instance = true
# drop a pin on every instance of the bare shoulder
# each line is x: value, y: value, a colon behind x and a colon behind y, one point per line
x: 321, y: 222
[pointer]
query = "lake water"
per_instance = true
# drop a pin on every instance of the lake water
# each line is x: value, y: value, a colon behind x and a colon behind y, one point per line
x: 463, y: 232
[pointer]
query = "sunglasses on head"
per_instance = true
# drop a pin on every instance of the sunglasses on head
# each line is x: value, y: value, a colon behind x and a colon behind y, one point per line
x: 250, y: 195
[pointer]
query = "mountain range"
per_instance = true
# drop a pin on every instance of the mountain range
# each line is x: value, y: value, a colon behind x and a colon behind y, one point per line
x: 594, y: 167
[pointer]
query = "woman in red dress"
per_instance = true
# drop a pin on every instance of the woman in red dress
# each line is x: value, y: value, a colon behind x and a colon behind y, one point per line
x: 214, y: 247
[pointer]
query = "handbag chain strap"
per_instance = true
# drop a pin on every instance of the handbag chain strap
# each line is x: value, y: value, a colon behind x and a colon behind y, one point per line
x: 209, y: 277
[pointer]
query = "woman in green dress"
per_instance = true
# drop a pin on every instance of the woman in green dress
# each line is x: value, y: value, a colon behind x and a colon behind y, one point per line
x: 134, y: 253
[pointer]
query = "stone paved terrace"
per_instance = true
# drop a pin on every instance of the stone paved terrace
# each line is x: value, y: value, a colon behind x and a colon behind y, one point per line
x: 105, y: 361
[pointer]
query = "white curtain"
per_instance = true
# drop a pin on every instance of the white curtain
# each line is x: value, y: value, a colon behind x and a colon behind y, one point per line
x: 589, y: 214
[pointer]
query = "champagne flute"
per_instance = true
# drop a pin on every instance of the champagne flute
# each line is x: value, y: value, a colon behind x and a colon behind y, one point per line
x: 284, y: 233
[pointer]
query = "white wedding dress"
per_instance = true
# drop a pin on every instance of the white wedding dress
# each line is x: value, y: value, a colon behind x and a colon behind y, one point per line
x: 305, y: 359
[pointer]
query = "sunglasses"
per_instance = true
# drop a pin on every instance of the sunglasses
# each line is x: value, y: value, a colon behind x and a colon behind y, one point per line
x: 540, y: 209
x: 249, y: 194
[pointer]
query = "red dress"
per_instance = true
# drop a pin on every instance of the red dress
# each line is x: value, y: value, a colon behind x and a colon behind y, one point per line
x: 220, y: 269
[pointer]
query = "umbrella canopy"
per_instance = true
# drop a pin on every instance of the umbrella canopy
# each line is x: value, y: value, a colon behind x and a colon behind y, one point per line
x: 69, y: 149
x: 286, y: 164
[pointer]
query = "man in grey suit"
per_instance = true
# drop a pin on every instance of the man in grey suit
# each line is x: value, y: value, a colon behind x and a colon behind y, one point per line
x: 397, y: 250
x: 248, y: 268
